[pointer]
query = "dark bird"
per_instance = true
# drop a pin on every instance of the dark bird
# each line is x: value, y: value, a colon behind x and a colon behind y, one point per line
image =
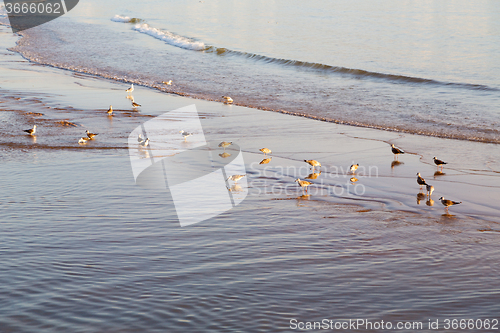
x: 420, y: 180
x: 396, y: 151
x: 31, y: 131
x: 448, y: 203
x: 439, y: 163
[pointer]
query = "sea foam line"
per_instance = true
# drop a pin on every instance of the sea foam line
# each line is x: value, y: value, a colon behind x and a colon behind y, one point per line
x: 166, y: 36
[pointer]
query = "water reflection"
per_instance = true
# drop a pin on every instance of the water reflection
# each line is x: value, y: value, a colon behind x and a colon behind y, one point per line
x: 439, y: 173
x: 429, y: 202
x: 420, y: 197
x: 266, y: 160
x: 224, y: 155
x: 395, y: 163
x: 313, y: 175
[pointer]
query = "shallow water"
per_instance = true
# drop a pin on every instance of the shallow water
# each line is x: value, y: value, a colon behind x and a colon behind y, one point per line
x: 84, y: 249
x: 427, y: 68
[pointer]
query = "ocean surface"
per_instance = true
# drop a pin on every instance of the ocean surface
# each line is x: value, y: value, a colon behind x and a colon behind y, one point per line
x: 85, y: 249
x: 418, y: 67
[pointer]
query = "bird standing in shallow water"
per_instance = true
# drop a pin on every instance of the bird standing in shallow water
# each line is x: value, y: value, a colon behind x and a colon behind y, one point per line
x: 129, y: 90
x: 225, y: 144
x: 91, y: 135
x: 266, y: 151
x: 31, y: 131
x: 353, y: 168
x: 110, y: 110
x: 83, y: 140
x: 396, y: 151
x: 185, y: 134
x: 134, y: 104
x: 303, y: 183
x: 439, y: 163
x: 313, y: 163
x: 430, y: 189
x: 235, y: 178
x: 227, y: 100
x: 448, y: 203
x: 420, y: 180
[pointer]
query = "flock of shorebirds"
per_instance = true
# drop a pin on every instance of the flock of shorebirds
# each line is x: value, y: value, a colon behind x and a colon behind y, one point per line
x: 421, y: 181
x: 144, y: 142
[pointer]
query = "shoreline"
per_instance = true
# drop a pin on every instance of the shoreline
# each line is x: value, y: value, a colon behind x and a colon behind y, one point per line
x: 25, y: 54
x: 253, y: 126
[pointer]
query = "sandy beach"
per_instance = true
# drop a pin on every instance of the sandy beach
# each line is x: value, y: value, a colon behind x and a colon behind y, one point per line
x: 88, y: 250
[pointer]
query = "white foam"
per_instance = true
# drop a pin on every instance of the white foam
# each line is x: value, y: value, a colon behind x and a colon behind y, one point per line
x: 170, y: 38
x: 119, y: 18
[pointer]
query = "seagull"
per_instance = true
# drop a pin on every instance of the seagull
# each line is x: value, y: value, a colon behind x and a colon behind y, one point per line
x: 448, y: 203
x: 83, y: 140
x: 31, y: 131
x: 185, y: 134
x: 144, y: 143
x: 225, y: 144
x: 354, y: 167
x: 91, y: 135
x: 110, y: 110
x: 396, y: 151
x: 235, y: 178
x: 266, y: 160
x: 134, y: 104
x: 303, y: 183
x: 313, y: 163
x: 420, y: 180
x: 430, y: 189
x: 227, y: 99
x: 129, y: 90
x: 168, y: 83
x: 266, y: 151
x: 439, y: 162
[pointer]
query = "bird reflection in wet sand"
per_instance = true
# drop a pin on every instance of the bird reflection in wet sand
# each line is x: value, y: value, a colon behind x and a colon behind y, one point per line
x: 395, y: 163
x: 235, y: 188
x: 439, y: 173
x: 313, y: 175
x: 224, y: 155
x: 304, y: 197
x: 420, y: 197
x: 130, y: 97
x: 266, y: 160
x: 429, y: 202
x: 353, y: 179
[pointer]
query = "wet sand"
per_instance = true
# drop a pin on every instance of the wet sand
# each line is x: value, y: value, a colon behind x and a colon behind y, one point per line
x: 80, y: 235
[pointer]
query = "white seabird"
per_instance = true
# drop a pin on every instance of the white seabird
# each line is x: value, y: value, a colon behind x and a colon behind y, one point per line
x: 185, y: 134
x: 129, y: 90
